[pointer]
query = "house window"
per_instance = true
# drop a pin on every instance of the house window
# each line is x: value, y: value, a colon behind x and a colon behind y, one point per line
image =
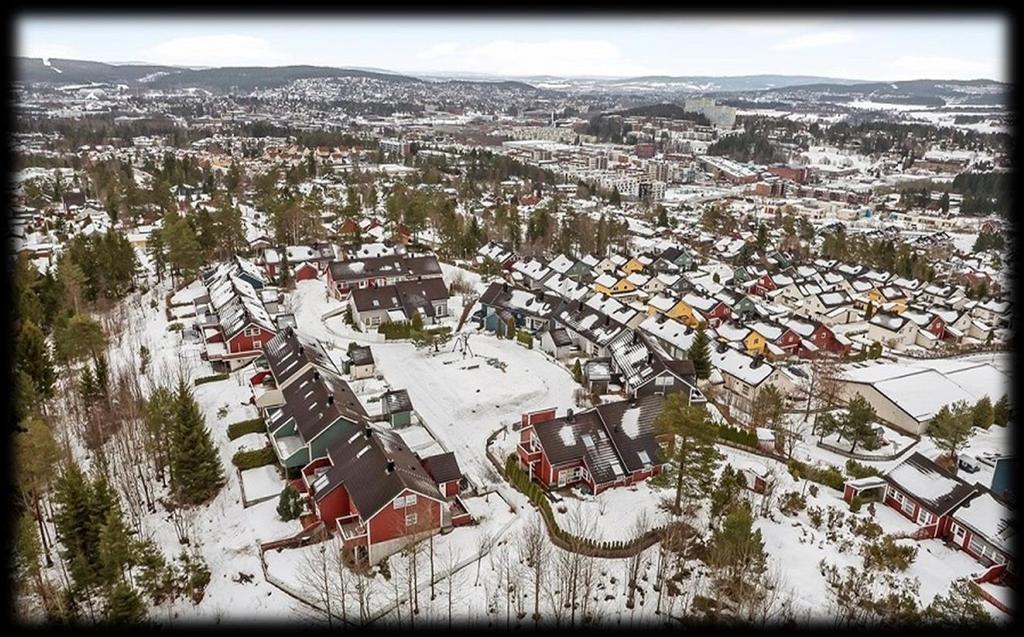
x: 405, y: 501
x: 257, y: 344
x: 252, y: 331
x: 664, y: 381
x: 410, y: 519
x: 926, y: 518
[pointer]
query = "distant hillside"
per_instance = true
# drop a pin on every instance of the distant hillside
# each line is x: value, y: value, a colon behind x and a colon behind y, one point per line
x: 734, y: 83
x: 61, y: 71
x: 670, y: 111
x: 248, y: 78
x: 924, y: 92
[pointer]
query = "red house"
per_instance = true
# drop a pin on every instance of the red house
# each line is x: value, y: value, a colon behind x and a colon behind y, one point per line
x: 608, y: 446
x: 921, y: 491
x: 763, y: 285
x: 378, y: 495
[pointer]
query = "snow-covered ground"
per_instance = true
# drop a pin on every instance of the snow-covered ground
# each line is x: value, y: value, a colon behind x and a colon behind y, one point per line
x: 614, y: 513
x: 462, y: 401
x: 262, y: 482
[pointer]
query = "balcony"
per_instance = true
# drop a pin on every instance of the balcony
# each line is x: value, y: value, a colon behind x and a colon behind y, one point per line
x: 353, y: 532
x: 526, y: 454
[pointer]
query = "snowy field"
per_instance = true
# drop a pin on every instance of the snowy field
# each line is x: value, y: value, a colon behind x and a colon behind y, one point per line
x: 461, y: 399
x: 613, y: 514
x: 262, y: 482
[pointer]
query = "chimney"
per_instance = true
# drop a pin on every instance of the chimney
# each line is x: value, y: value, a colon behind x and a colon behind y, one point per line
x: 316, y: 374
x: 504, y: 287
x: 570, y: 416
x: 632, y: 400
x: 390, y: 468
x: 302, y: 350
x: 367, y: 432
x: 330, y: 399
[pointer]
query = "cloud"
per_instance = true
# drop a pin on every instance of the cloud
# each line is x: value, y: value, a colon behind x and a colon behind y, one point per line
x: 566, y: 57
x: 44, y: 50
x: 764, y: 26
x: 816, y: 40
x: 215, y: 50
x: 919, y: 67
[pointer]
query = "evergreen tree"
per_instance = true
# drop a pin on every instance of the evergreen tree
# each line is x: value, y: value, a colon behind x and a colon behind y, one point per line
x: 80, y: 338
x: 115, y: 548
x: 736, y: 551
x: 700, y: 353
x: 124, y: 605
x: 692, y: 446
x: 577, y: 371
x: 196, y: 471
x: 983, y: 415
x: 32, y: 356
x: 951, y: 427
x: 289, y: 505
x: 726, y: 493
x: 961, y: 607
x: 1001, y: 411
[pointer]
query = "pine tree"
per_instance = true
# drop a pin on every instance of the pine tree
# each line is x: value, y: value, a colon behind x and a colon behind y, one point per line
x: 736, y: 551
x: 196, y: 471
x: 72, y: 499
x: 950, y: 428
x: 577, y: 372
x: 115, y: 548
x: 289, y: 505
x: 692, y: 447
x: 124, y: 605
x: 1001, y: 411
x: 961, y: 607
x: 983, y: 415
x: 700, y: 353
x: 33, y: 357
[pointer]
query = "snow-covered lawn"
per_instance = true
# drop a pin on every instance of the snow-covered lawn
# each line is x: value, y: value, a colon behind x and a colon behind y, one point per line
x: 261, y: 482
x: 458, y: 549
x: 249, y: 441
x: 614, y: 512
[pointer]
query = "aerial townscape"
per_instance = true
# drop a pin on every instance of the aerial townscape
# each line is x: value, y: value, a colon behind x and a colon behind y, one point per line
x: 468, y: 346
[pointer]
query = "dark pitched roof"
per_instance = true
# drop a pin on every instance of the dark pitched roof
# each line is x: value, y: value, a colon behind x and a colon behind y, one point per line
x: 443, y: 467
x: 315, y: 400
x: 631, y: 427
x: 928, y: 483
x: 286, y: 354
x: 361, y: 355
x: 385, y: 266
x: 360, y: 463
x: 581, y: 437
x: 421, y: 295
x: 396, y: 401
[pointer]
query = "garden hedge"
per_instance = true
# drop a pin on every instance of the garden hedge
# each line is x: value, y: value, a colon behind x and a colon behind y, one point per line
x: 243, y: 427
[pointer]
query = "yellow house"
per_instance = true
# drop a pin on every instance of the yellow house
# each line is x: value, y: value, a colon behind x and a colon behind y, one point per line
x: 623, y: 286
x: 754, y: 342
x: 674, y: 310
x: 632, y: 266
x: 605, y: 283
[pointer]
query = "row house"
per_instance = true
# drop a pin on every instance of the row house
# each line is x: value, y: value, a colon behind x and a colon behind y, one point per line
x: 345, y: 276
x: 237, y: 315
x: 498, y: 252
x: 379, y: 496
x: 304, y: 262
x: 505, y: 308
x: 611, y: 445
x: 398, y: 303
x: 644, y: 370
x: 943, y: 506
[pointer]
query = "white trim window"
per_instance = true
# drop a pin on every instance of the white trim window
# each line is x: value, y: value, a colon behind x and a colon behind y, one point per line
x: 252, y: 331
x: 411, y: 519
x: 402, y: 502
x: 926, y: 518
x: 257, y: 344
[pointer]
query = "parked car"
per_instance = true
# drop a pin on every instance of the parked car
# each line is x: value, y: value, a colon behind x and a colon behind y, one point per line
x: 968, y: 463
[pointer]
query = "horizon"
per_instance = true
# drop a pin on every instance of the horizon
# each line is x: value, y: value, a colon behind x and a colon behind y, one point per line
x: 861, y: 49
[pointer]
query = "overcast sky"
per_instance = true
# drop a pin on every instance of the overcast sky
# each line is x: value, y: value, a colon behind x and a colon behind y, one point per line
x: 889, y: 48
